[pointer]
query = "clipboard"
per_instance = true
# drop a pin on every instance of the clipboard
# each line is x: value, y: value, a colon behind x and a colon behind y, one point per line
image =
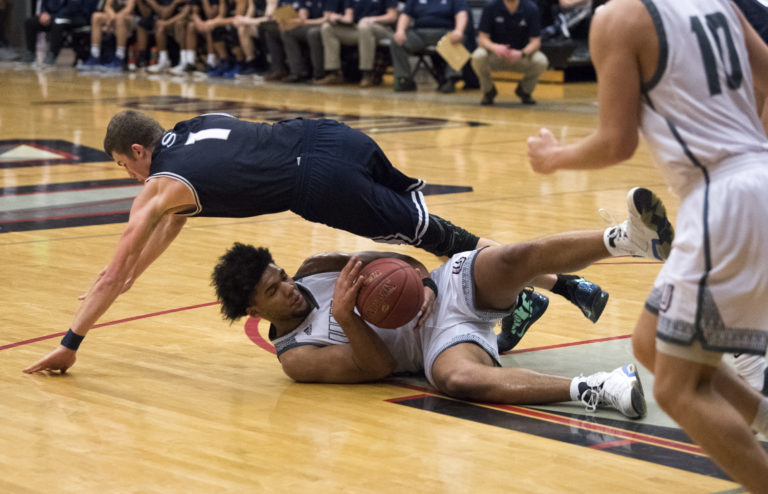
x: 284, y: 14
x: 455, y: 55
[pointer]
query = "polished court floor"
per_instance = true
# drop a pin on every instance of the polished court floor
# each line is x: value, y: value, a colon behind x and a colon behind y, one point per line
x: 167, y: 397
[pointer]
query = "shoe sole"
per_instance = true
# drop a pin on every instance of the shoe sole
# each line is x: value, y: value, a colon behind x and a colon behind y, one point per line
x: 638, y: 395
x: 653, y: 214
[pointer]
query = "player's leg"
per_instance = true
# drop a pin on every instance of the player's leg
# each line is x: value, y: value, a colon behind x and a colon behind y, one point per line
x: 468, y: 372
x: 743, y: 397
x: 501, y: 272
x: 684, y: 389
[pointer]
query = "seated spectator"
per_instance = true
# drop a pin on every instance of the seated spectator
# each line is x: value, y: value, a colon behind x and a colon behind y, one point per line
x: 269, y: 34
x: 422, y: 24
x: 236, y: 32
x: 363, y: 24
x: 171, y: 17
x: 118, y: 18
x: 509, y: 39
x: 756, y: 12
x: 56, y: 17
x: 312, y: 15
x: 201, y: 10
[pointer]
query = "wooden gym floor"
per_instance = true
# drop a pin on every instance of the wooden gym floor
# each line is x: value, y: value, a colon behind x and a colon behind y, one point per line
x: 166, y: 397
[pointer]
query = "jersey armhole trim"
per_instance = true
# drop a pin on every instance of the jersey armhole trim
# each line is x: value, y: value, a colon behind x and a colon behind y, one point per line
x: 661, y: 67
x: 198, y: 206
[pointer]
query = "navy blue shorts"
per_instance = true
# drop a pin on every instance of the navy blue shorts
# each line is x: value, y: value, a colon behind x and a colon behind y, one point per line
x: 348, y: 183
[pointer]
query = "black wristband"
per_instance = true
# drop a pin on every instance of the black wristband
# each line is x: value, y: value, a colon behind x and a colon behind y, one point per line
x: 72, y: 340
x: 430, y: 283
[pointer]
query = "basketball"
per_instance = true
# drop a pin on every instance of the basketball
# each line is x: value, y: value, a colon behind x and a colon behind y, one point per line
x: 392, y: 293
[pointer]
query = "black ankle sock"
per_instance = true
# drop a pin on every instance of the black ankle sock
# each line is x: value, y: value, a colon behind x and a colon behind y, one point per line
x: 560, y: 285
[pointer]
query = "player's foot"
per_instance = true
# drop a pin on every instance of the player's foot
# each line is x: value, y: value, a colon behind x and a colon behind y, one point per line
x: 529, y: 308
x: 91, y: 64
x: 646, y: 232
x: 588, y: 297
x: 620, y: 389
x: 158, y: 67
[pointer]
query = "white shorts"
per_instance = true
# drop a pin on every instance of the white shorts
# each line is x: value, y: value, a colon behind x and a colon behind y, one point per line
x: 459, y: 320
x: 714, y: 286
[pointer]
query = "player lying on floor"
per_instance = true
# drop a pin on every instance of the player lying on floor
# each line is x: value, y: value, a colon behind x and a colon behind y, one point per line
x: 319, y: 337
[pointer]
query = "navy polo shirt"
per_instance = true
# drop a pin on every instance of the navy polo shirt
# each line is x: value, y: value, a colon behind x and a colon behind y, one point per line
x: 434, y: 13
x: 369, y: 8
x: 757, y: 15
x: 512, y: 29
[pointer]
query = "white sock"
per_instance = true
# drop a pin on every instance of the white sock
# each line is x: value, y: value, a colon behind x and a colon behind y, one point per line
x: 211, y: 59
x: 575, y: 392
x: 162, y: 57
x: 120, y: 52
x: 760, y: 424
x: 190, y: 57
x: 610, y: 237
x: 95, y: 51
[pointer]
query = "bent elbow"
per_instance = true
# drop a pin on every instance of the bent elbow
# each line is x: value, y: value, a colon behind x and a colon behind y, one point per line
x: 622, y: 147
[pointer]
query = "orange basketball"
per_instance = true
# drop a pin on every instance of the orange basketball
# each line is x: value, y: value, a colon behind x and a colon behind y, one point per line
x: 392, y: 293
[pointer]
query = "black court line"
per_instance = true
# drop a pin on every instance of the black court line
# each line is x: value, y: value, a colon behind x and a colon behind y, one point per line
x: 660, y: 445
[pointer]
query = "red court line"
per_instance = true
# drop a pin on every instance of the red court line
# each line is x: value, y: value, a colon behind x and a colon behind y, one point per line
x: 604, y: 429
x: 110, y: 323
x: 611, y: 444
x: 574, y: 343
x: 624, y: 436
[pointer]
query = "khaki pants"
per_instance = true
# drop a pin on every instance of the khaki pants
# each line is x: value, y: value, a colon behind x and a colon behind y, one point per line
x: 484, y: 62
x: 365, y: 36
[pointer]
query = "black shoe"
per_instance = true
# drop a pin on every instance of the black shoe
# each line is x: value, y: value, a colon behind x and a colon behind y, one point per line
x: 449, y: 86
x: 489, y: 96
x: 404, y: 84
x: 292, y: 78
x: 529, y: 308
x: 524, y: 97
x: 588, y: 297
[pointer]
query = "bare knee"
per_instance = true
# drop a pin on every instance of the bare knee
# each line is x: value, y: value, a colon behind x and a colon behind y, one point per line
x: 518, y: 259
x: 458, y: 383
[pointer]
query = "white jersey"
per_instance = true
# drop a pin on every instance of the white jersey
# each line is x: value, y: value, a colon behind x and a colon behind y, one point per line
x: 699, y: 107
x: 321, y: 329
x: 454, y: 320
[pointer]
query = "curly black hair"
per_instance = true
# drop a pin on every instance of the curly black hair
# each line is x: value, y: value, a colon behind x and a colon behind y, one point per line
x: 236, y: 275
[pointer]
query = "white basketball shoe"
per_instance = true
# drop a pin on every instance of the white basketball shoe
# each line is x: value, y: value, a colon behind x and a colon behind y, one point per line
x: 620, y: 389
x: 646, y: 232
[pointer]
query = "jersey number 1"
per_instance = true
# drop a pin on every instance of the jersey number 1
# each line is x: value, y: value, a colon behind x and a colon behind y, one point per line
x: 717, y: 23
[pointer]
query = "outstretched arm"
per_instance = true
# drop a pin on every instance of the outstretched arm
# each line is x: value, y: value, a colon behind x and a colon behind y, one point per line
x: 157, y: 199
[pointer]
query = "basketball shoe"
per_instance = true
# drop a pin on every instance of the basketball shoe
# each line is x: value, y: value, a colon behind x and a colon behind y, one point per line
x: 528, y: 309
x: 587, y: 296
x: 646, y: 232
x: 620, y: 389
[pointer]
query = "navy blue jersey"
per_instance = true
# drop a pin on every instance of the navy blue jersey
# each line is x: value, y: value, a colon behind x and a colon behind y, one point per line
x: 233, y: 167
x: 321, y: 170
x: 434, y: 13
x: 512, y: 29
x: 369, y: 8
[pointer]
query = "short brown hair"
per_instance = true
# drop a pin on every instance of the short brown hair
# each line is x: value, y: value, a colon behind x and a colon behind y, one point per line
x: 131, y: 127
